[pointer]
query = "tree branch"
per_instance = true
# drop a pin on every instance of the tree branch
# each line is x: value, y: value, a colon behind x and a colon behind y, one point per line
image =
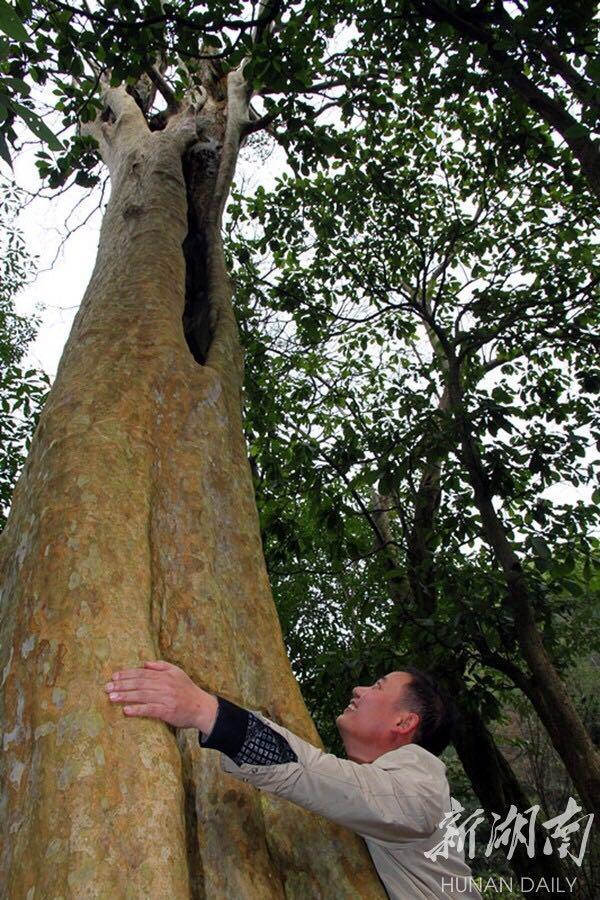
x: 165, y: 89
x: 510, y: 70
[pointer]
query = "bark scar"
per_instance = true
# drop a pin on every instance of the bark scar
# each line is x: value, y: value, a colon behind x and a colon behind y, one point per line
x: 133, y: 211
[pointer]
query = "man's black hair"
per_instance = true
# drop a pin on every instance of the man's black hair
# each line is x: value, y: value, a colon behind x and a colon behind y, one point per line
x: 438, y: 713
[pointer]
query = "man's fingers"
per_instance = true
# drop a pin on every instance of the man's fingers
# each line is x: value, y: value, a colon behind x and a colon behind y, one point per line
x: 132, y: 694
x: 143, y: 680
x: 135, y: 681
x: 138, y: 674
x: 158, y: 665
x: 155, y: 710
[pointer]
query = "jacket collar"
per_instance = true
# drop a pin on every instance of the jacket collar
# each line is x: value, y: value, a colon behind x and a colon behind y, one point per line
x: 410, y: 753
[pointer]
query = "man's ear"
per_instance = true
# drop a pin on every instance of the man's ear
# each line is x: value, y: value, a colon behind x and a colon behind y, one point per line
x: 407, y: 722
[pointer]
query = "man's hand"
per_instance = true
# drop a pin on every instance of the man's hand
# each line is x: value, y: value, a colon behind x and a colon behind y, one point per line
x: 161, y: 690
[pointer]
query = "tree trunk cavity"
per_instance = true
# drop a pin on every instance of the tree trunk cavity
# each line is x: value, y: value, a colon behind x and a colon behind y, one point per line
x: 133, y: 535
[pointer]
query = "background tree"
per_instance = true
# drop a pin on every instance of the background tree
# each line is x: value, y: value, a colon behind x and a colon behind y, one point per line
x: 534, y: 759
x: 537, y: 61
x: 544, y: 57
x: 342, y: 375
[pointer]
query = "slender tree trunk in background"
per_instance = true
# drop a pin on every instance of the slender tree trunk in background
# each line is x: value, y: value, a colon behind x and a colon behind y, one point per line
x: 490, y: 774
x: 133, y: 535
x: 497, y: 786
x: 543, y: 686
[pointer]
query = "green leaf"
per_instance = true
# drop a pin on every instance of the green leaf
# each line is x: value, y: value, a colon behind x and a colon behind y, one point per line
x: 4, y: 151
x: 39, y: 128
x: 576, y: 131
x: 593, y: 69
x: 540, y: 547
x: 573, y: 587
x: 10, y: 23
x: 17, y: 84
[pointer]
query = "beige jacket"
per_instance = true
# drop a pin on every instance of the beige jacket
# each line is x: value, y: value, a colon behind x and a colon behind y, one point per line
x: 395, y: 803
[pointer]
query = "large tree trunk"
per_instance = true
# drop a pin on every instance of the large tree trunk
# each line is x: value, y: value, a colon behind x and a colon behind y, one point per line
x: 133, y: 535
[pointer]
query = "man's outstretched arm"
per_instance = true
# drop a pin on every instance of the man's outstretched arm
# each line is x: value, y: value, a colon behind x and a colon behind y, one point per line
x: 389, y: 800
x: 244, y: 738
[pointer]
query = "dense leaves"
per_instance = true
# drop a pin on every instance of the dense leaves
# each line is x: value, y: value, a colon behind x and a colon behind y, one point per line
x: 342, y: 277
x: 342, y: 55
x: 22, y: 389
x: 14, y: 91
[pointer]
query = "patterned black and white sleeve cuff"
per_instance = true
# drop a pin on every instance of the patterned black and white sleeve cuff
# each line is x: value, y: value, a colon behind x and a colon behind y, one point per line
x: 244, y: 738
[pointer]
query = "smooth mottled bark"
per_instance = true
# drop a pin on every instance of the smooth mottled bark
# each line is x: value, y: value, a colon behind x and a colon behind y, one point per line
x: 133, y: 535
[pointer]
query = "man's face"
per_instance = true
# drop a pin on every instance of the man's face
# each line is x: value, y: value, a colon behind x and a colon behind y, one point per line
x: 377, y: 715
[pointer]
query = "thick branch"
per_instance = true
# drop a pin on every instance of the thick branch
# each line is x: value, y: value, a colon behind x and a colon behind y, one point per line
x: 165, y: 89
x: 237, y: 120
x: 581, y: 87
x: 121, y: 118
x: 551, y: 111
x: 269, y: 10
